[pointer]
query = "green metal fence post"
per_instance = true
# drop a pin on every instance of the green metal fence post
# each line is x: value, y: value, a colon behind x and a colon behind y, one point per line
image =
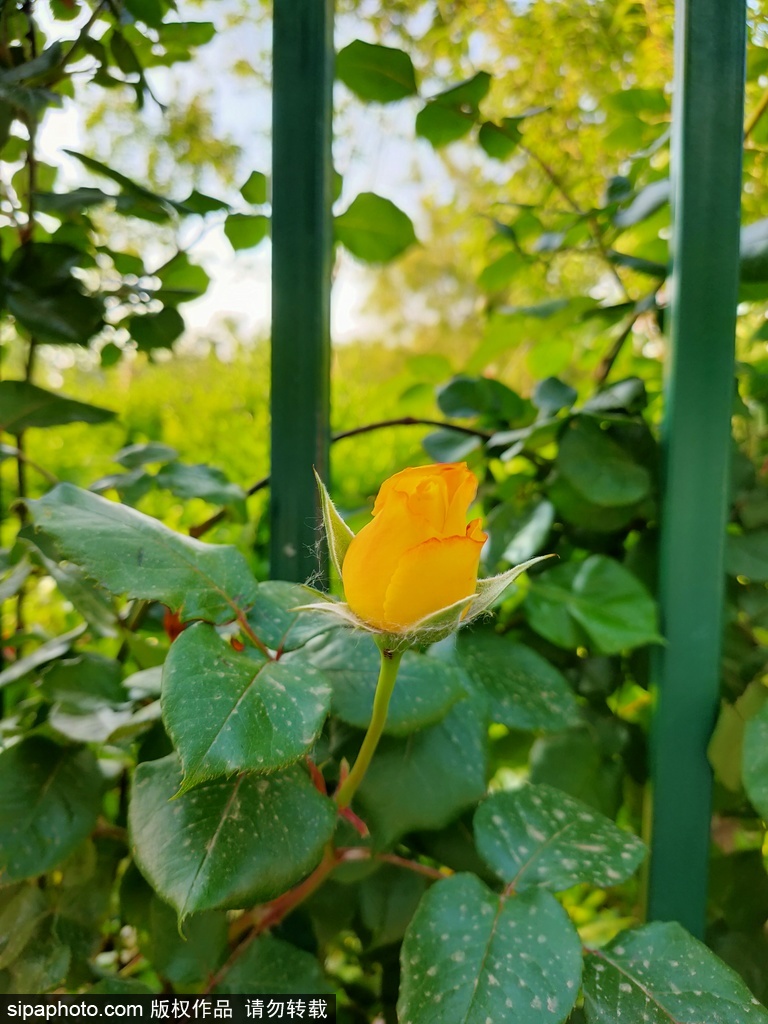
x: 302, y: 83
x: 706, y: 154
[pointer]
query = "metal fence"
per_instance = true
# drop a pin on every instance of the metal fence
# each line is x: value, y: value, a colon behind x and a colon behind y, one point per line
x: 706, y: 173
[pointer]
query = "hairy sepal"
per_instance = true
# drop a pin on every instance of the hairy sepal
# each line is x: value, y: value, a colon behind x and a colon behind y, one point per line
x: 338, y: 534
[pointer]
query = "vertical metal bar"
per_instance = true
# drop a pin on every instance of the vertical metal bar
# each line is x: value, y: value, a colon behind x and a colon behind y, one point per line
x: 706, y: 162
x: 302, y: 84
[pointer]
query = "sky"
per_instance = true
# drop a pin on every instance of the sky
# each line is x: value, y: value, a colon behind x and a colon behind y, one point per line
x: 375, y: 150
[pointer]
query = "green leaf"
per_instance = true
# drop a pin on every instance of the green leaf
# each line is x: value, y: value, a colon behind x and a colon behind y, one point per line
x: 600, y: 597
x: 200, y: 203
x: 662, y: 972
x: 65, y: 316
x: 201, y: 481
x: 425, y: 780
x: 468, y: 397
x: 378, y: 74
x: 599, y: 469
x: 124, y: 55
x: 38, y: 67
x: 272, y: 965
x: 551, y: 395
x: 50, y: 797
x: 574, y: 762
x: 89, y: 681
x: 625, y: 395
x: 30, y: 101
x: 374, y: 229
x: 13, y: 581
x: 338, y: 535
x: 245, y: 230
x: 181, y: 281
x: 644, y: 204
x: 746, y: 554
x: 130, y: 553
x: 86, y: 691
x: 19, y: 921
x: 524, y: 691
x: 43, y: 964
x: 755, y: 761
x: 151, y: 12
x: 471, y: 956
x: 186, y: 34
x: 120, y: 986
x: 442, y: 124
x: 500, y: 141
x: 254, y: 191
x: 501, y: 271
x: 637, y: 101
x: 156, y: 330
x: 425, y: 691
x: 526, y: 537
x: 142, y: 454
x: 277, y: 623
x: 726, y: 747
x: 451, y: 114
x: 42, y: 655
x: 538, y: 836
x: 130, y: 188
x: 184, y: 959
x: 228, y: 843
x: 76, y: 201
x: 388, y: 900
x: 450, y: 445
x: 576, y: 510
x: 227, y: 711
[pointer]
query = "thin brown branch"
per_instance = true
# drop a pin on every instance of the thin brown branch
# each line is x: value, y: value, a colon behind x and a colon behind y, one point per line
x: 606, y: 363
x: 411, y: 421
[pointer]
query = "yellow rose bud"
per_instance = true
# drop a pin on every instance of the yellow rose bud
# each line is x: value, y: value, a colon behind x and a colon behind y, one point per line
x: 418, y: 555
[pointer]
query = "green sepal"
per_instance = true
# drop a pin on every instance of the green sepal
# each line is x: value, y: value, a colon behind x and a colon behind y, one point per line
x: 338, y: 534
x: 490, y: 590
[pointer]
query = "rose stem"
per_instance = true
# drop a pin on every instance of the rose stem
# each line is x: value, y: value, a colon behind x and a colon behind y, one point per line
x: 390, y: 662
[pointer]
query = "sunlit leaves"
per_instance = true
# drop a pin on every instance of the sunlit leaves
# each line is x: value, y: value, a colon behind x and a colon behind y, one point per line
x: 376, y: 73
x: 374, y: 229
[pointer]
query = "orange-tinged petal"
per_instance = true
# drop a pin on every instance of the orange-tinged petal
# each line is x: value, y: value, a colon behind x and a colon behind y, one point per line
x: 429, y: 577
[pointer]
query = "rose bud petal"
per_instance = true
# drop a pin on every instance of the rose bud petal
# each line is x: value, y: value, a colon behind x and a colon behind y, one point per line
x: 417, y: 555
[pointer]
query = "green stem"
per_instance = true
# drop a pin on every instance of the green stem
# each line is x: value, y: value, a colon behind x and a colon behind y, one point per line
x: 390, y: 662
